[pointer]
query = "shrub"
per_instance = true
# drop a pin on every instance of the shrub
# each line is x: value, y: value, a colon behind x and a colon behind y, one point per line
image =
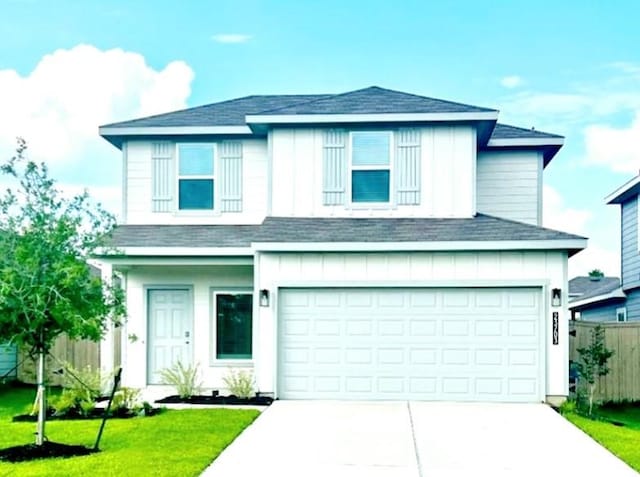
x: 239, y: 382
x: 127, y: 399
x: 183, y: 379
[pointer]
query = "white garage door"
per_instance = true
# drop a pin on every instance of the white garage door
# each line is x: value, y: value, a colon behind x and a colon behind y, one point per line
x: 460, y: 344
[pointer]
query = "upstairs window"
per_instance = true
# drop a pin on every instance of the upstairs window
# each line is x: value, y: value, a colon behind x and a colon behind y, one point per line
x: 196, y: 177
x: 370, y: 167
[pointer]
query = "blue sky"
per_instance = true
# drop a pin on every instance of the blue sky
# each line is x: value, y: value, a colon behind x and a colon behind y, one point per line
x: 570, y: 67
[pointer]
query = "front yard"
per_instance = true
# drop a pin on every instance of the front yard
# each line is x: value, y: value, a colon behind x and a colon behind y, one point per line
x: 172, y: 443
x: 622, y: 440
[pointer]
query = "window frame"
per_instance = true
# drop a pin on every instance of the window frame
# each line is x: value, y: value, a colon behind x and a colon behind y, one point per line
x: 390, y: 167
x: 215, y: 210
x: 213, y: 322
x: 621, y: 311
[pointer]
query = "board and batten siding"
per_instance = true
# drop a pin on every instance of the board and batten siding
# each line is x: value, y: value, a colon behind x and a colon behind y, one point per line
x: 202, y: 281
x: 446, y: 184
x: 509, y: 185
x: 244, y: 203
x: 600, y: 313
x: 457, y: 269
x: 630, y: 254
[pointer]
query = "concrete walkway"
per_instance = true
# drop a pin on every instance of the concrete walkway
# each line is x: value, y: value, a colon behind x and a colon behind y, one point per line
x: 417, y: 439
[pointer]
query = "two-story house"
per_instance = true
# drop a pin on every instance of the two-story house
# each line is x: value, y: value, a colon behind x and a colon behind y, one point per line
x: 367, y: 245
x: 619, y: 302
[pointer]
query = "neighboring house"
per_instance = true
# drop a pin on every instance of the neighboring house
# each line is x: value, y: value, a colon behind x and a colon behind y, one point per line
x: 595, y: 298
x: 367, y: 245
x: 621, y: 303
x: 8, y: 361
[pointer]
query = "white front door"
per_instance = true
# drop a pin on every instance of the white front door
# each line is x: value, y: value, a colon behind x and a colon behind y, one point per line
x: 458, y: 344
x: 170, y: 330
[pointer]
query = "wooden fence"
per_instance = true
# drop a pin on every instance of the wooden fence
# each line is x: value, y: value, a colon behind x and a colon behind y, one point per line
x: 623, y: 381
x: 79, y: 354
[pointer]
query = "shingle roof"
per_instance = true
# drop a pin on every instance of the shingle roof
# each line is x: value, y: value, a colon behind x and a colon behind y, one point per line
x: 505, y: 131
x: 309, y: 230
x: 374, y: 100
x: 225, y: 113
x: 368, y: 100
x: 581, y: 288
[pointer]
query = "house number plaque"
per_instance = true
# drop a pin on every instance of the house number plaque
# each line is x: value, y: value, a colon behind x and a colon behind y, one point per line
x: 555, y: 328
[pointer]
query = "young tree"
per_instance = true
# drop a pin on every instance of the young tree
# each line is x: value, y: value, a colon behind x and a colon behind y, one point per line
x: 46, y: 288
x: 596, y: 273
x: 593, y: 362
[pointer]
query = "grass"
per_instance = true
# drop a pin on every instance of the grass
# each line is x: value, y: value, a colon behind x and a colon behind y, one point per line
x: 620, y: 440
x: 173, y: 443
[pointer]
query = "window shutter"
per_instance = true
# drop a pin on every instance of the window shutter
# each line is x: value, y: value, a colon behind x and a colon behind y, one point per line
x: 162, y: 176
x: 334, y: 167
x: 408, y: 167
x: 230, y: 176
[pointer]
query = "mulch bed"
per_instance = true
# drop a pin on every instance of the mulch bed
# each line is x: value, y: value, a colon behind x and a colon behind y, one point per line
x: 228, y: 400
x: 47, y: 450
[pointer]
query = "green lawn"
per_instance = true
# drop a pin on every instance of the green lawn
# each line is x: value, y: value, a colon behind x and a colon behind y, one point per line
x: 174, y: 443
x: 622, y: 441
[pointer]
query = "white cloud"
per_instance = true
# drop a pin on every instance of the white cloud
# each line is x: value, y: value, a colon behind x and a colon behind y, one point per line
x: 595, y: 256
x: 617, y: 148
x: 231, y: 38
x: 557, y: 216
x: 512, y: 81
x: 59, y: 105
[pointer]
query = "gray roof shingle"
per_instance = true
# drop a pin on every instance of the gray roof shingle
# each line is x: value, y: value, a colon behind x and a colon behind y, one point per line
x: 584, y: 287
x: 368, y: 100
x: 225, y: 113
x: 376, y: 100
x: 504, y: 131
x: 310, y: 230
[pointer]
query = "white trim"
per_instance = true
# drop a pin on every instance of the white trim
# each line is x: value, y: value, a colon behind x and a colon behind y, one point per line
x: 526, y: 141
x: 125, y: 263
x: 391, y: 203
x: 371, y: 118
x: 125, y: 182
x: 621, y: 311
x: 171, y: 130
x: 617, y: 293
x: 125, y: 252
x: 420, y: 246
x: 622, y: 189
x: 215, y: 202
x: 213, y: 323
x: 472, y: 283
x: 121, y: 253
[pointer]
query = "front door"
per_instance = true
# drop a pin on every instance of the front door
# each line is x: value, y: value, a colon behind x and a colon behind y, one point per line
x: 170, y: 330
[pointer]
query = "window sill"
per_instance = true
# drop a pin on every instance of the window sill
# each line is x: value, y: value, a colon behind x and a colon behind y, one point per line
x: 232, y: 363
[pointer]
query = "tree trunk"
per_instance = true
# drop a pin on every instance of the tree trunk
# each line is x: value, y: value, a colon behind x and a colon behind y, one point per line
x: 592, y: 390
x: 42, y: 402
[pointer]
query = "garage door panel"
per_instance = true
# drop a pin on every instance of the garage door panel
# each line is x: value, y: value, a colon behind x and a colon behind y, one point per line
x: 428, y: 344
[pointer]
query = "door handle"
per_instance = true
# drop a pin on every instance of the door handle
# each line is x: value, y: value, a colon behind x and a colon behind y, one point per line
x: 186, y: 335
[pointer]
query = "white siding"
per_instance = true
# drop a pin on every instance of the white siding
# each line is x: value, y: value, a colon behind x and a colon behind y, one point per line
x: 202, y: 280
x: 447, y: 182
x: 510, y: 185
x: 139, y: 189
x: 460, y: 269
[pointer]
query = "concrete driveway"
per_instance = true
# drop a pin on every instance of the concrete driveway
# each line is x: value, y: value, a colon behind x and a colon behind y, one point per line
x: 413, y: 439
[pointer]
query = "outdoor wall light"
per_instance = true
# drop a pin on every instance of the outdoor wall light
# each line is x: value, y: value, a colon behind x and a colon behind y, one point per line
x: 555, y: 297
x: 264, y: 297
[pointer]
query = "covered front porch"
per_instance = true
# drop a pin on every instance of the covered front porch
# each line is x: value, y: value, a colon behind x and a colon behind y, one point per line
x: 198, y: 310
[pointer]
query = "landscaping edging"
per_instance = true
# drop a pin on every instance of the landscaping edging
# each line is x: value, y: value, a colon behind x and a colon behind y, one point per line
x: 217, y: 400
